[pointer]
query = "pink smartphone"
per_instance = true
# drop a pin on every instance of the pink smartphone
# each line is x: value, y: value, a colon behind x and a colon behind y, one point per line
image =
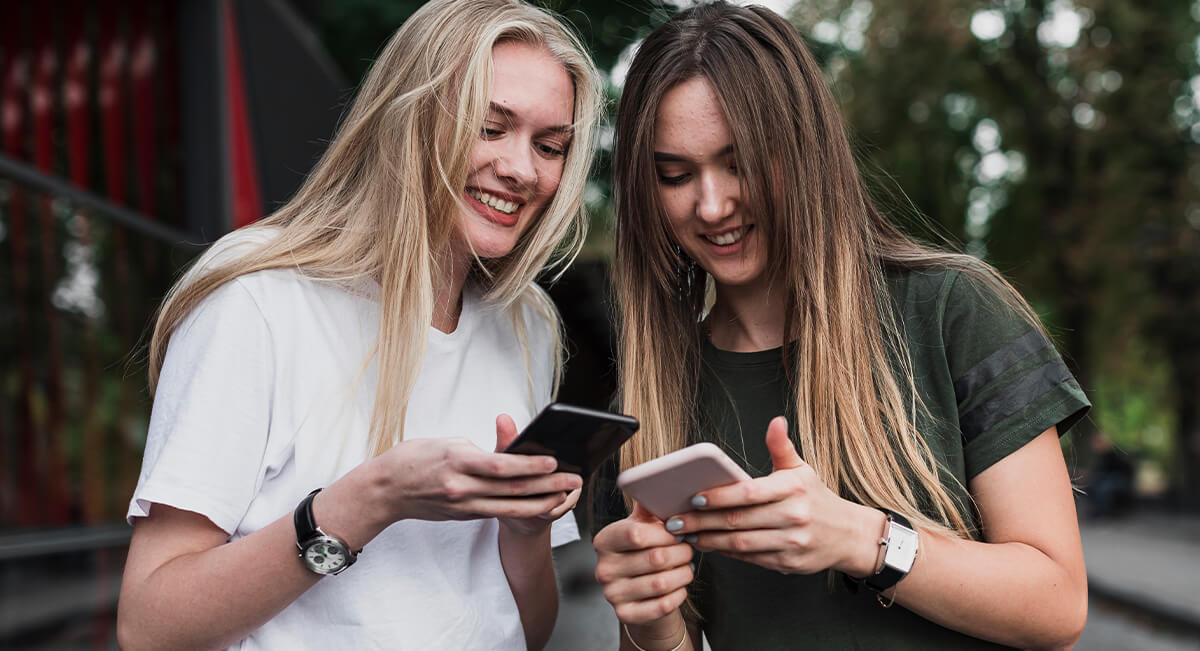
x: 665, y: 485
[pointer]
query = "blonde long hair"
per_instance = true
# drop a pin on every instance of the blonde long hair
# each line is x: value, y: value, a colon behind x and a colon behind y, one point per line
x: 855, y: 398
x: 384, y: 200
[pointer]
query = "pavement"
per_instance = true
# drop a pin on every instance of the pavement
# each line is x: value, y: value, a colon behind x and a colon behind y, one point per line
x: 1148, y: 561
x: 1143, y: 579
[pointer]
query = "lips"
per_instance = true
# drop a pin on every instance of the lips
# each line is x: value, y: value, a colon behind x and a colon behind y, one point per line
x: 727, y: 238
x: 500, y: 210
x: 494, y: 202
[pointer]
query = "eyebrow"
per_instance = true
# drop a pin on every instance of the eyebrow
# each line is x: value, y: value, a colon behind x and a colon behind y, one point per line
x: 511, y: 117
x: 667, y: 157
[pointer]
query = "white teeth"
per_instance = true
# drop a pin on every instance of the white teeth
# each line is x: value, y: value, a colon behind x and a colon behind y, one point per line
x: 506, y: 207
x: 725, y: 239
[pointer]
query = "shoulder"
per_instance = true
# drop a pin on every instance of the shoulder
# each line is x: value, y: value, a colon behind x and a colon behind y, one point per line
x: 965, y: 297
x: 230, y: 248
x: 537, y: 315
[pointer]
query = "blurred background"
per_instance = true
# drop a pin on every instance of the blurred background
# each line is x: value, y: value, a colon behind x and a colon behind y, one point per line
x: 1055, y: 139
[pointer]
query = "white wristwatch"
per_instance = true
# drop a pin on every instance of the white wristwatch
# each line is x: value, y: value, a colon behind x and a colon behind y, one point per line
x: 900, y: 552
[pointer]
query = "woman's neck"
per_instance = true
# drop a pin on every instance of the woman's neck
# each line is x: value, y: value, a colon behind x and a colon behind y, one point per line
x: 747, y: 319
x: 449, y: 279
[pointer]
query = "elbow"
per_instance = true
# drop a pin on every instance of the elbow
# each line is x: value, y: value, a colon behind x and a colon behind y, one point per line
x: 1073, y: 626
x: 131, y: 635
x: 1065, y: 630
x: 127, y: 637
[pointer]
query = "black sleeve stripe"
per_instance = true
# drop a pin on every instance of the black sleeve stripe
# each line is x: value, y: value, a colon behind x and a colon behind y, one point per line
x: 1023, y: 392
x: 980, y: 375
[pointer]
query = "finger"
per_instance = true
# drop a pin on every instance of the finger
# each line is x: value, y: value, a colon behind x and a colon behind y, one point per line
x: 506, y: 431
x: 568, y: 504
x: 753, y: 541
x: 510, y: 507
x: 783, y: 451
x: 640, y: 514
x: 561, y: 483
x: 648, y: 586
x: 771, y: 515
x: 629, y: 535
x: 641, y: 612
x: 500, y: 465
x: 748, y: 492
x: 650, y: 561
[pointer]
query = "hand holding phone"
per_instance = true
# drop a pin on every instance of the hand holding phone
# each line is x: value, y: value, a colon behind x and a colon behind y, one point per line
x: 665, y: 486
x: 578, y: 437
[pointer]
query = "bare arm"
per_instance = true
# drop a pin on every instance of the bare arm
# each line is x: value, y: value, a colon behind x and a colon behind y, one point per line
x: 184, y: 586
x: 645, y: 572
x: 1025, y: 586
x: 528, y: 563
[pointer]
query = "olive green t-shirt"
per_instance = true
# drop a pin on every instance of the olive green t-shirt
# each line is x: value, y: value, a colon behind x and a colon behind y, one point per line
x: 991, y: 383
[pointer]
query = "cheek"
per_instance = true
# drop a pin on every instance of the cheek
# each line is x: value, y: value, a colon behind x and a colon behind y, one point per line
x: 548, y: 183
x: 675, y: 206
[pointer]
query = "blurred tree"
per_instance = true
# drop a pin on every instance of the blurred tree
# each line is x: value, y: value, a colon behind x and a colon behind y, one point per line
x: 1057, y: 140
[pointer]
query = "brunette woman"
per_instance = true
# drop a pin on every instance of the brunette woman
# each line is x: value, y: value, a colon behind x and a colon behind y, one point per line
x: 898, y: 406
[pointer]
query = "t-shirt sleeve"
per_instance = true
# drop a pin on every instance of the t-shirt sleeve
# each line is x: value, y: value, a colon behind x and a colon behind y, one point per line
x: 1010, y: 382
x: 564, y: 530
x: 212, y: 412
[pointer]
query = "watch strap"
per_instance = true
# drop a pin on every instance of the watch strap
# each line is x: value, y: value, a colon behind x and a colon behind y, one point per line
x: 306, y: 523
x: 888, y: 576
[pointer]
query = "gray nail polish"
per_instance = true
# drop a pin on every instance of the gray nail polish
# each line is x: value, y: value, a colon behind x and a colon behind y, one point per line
x: 679, y: 538
x: 690, y: 538
x: 674, y: 524
x: 693, y: 566
x: 699, y: 501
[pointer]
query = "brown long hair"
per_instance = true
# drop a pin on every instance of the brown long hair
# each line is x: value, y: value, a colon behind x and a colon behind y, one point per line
x: 385, y: 198
x: 829, y: 247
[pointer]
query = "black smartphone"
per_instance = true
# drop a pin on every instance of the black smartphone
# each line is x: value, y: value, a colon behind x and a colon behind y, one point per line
x: 578, y: 437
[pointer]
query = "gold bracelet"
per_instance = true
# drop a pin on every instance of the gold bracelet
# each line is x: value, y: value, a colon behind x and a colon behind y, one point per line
x: 639, y: 648
x: 896, y: 588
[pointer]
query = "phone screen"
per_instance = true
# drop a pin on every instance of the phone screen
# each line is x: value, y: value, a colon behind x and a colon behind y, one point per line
x: 579, y: 438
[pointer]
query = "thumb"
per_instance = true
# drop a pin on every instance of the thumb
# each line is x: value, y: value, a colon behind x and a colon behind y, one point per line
x: 783, y: 451
x: 642, y: 515
x: 506, y: 431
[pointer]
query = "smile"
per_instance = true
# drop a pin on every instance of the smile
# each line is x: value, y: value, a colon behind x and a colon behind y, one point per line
x: 728, y: 237
x: 495, y: 203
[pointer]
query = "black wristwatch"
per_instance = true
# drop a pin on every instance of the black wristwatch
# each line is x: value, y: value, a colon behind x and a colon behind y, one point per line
x: 320, y: 552
x: 899, y: 554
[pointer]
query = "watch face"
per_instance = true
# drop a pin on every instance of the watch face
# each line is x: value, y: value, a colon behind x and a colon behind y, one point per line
x: 325, y: 556
x: 901, y: 549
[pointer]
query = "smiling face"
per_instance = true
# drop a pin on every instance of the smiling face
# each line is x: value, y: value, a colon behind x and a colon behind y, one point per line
x: 518, y: 161
x: 699, y: 187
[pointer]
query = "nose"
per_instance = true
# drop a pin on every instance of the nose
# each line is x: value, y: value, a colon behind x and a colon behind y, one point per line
x: 717, y: 197
x: 514, y: 162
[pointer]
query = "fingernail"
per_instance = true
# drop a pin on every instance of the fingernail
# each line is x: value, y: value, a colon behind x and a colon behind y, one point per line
x: 679, y: 538
x: 693, y: 566
x: 674, y: 524
x: 690, y: 538
x: 699, y: 501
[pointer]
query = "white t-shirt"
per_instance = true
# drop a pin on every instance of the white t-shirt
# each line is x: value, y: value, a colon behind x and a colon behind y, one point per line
x: 265, y: 394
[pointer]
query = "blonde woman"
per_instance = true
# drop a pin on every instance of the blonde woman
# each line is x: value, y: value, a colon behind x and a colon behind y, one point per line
x: 915, y: 496
x: 331, y: 385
